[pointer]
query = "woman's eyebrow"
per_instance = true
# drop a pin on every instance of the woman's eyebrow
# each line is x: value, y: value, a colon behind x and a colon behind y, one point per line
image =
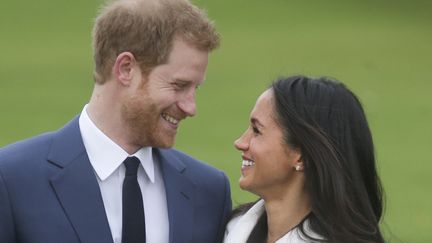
x: 256, y: 122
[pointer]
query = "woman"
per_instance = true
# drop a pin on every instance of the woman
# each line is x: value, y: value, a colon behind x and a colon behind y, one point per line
x: 308, y: 154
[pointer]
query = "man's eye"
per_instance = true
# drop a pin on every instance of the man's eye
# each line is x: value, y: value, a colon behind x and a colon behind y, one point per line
x: 179, y: 85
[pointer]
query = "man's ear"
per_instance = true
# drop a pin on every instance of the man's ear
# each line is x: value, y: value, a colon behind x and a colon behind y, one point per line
x: 124, y: 68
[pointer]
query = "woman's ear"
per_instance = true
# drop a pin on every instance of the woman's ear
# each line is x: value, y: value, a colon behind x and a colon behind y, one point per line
x: 299, y: 165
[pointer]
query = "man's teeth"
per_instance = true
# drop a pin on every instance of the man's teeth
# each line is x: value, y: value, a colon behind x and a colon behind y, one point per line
x: 247, y: 163
x: 170, y: 119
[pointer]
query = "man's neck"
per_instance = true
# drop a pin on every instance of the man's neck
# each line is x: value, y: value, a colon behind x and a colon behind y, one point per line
x: 104, y: 110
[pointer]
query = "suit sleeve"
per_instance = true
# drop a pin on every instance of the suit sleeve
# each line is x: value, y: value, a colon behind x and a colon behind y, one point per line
x: 227, y: 207
x: 7, y: 233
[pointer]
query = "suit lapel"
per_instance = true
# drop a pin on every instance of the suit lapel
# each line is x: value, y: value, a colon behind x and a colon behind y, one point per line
x: 76, y: 186
x: 180, y: 192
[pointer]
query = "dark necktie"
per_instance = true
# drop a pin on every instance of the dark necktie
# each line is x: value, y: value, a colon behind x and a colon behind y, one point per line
x: 133, y: 209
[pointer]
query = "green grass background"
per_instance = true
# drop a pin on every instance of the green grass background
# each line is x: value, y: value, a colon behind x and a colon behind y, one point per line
x: 381, y: 49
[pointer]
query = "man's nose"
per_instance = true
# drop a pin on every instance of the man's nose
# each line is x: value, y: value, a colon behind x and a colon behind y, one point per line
x: 187, y: 104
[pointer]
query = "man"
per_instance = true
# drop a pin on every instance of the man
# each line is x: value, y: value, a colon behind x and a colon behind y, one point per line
x: 72, y: 185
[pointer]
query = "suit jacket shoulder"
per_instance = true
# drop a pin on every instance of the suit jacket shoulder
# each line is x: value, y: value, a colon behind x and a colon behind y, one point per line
x: 198, y: 197
x: 194, y: 169
x: 20, y: 151
x: 49, y: 192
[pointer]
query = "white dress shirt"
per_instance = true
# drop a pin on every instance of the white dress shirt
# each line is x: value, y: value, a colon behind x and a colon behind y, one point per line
x: 240, y: 227
x: 107, y: 158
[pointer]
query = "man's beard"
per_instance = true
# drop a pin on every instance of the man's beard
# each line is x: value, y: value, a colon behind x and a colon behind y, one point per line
x: 141, y: 118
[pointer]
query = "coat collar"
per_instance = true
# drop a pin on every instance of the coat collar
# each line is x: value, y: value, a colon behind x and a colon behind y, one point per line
x: 239, y: 228
x: 76, y: 186
x: 180, y: 192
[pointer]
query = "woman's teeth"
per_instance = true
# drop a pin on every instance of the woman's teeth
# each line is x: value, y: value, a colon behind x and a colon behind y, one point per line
x: 170, y: 119
x: 247, y: 163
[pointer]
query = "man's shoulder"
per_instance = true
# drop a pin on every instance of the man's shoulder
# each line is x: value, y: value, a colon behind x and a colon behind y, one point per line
x: 196, y: 170
x: 27, y: 145
x: 23, y: 161
x: 189, y: 161
x: 210, y: 182
x: 25, y: 150
x: 37, y: 146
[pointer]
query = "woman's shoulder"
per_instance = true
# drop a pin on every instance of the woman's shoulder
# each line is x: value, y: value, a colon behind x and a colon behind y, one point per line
x: 240, y: 226
x: 232, y: 223
x: 297, y: 235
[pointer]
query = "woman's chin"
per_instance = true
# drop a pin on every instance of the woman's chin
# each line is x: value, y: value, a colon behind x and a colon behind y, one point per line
x: 245, y: 184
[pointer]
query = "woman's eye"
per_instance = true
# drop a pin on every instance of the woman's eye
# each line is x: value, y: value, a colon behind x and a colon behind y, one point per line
x: 255, y: 130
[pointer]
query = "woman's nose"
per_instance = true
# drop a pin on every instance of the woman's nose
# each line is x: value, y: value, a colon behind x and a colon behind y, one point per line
x: 241, y: 143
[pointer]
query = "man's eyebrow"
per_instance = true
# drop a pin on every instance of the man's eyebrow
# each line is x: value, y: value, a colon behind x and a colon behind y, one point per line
x: 181, y: 80
x: 187, y: 82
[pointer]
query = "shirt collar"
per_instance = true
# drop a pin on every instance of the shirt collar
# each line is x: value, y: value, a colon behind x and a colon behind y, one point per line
x: 104, y: 154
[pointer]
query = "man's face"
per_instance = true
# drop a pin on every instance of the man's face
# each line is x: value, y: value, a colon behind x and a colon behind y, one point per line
x: 166, y: 96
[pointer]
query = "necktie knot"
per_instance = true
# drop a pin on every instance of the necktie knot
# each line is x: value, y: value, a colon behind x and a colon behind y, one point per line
x: 131, y: 164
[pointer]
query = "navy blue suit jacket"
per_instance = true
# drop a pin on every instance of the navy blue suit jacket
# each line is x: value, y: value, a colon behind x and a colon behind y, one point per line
x: 49, y: 193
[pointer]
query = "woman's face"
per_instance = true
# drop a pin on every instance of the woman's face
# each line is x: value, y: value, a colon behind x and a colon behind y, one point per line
x: 268, y: 162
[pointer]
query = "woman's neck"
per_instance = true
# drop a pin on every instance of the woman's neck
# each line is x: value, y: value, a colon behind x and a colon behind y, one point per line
x: 285, y: 212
